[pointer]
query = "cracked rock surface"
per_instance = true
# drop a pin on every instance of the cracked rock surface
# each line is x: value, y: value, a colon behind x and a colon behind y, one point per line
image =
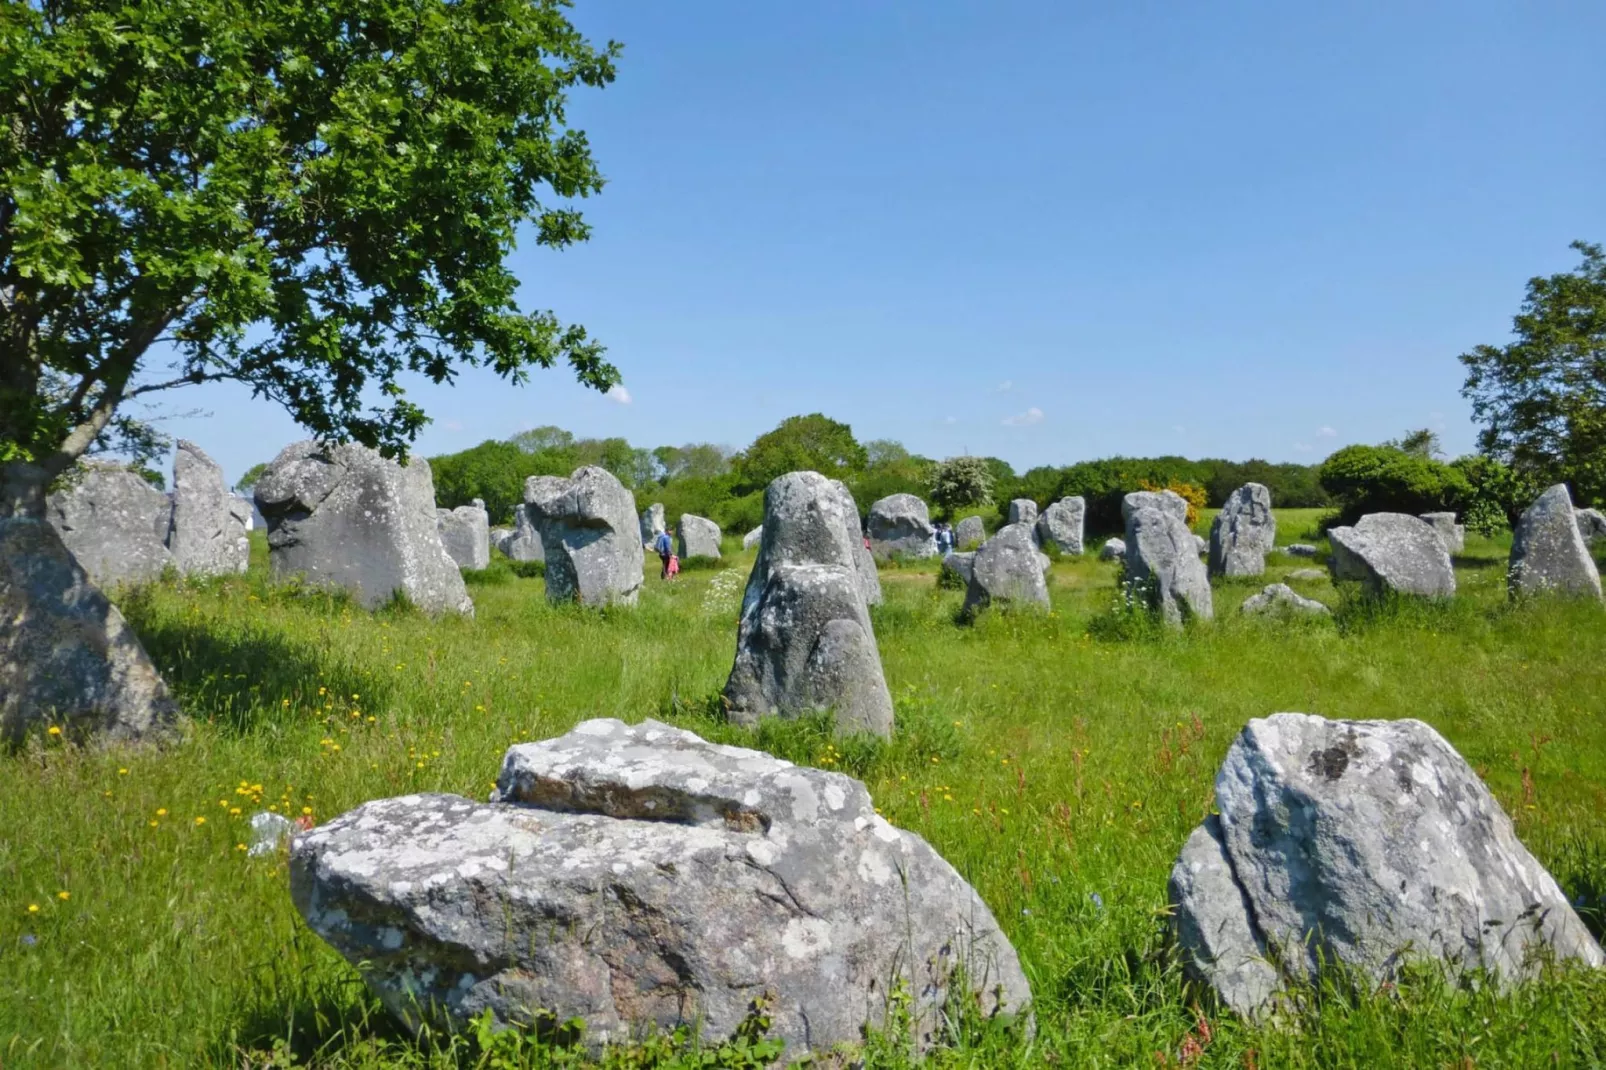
x: 639, y: 874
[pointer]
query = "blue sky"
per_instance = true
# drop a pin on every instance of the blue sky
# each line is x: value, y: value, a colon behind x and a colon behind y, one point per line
x: 1049, y: 231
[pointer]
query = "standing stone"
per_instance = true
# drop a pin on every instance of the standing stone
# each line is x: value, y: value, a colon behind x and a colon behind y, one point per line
x: 1548, y: 553
x: 1112, y: 549
x: 1361, y: 843
x: 343, y: 516
x: 1453, y: 534
x: 499, y: 537
x: 900, y: 526
x: 591, y: 535
x: 1006, y: 571
x: 652, y: 524
x: 752, y: 537
x: 1023, y: 511
x: 1162, y: 559
x: 699, y: 537
x: 1167, y: 501
x: 1591, y: 524
x: 805, y: 641
x: 67, y: 657
x: 958, y: 568
x: 638, y: 877
x: 114, y: 523
x: 864, y: 569
x: 1243, y: 533
x: 466, y: 534
x: 524, y: 543
x: 970, y: 533
x: 1060, y: 526
x: 1393, y: 552
x: 1280, y: 598
x: 207, y: 535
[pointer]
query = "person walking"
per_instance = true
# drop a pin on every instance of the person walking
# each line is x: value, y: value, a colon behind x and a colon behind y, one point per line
x: 665, y: 550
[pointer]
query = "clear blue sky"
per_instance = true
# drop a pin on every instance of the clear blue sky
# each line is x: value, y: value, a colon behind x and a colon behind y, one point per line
x: 1050, y: 230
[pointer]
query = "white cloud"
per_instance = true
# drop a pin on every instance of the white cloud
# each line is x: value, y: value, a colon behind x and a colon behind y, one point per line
x: 619, y: 394
x: 1326, y: 432
x: 1033, y: 415
x: 1005, y: 386
x: 1303, y: 447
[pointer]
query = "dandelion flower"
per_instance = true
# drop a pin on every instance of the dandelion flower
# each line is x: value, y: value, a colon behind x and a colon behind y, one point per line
x: 162, y: 812
x: 200, y: 821
x: 239, y: 847
x: 122, y: 772
x: 33, y: 908
x: 306, y: 810
x: 64, y: 896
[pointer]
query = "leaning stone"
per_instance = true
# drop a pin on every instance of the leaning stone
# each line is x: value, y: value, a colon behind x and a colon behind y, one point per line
x: 590, y: 536
x: 1453, y: 534
x: 900, y: 526
x: 970, y: 533
x: 1243, y: 533
x: 699, y: 537
x: 652, y: 523
x: 1162, y: 560
x: 1591, y: 524
x: 207, y: 536
x: 466, y: 534
x: 1060, y: 525
x: 1007, y: 570
x: 805, y: 641
x: 1112, y: 550
x: 1393, y: 552
x: 1023, y: 511
x: 751, y: 538
x: 1280, y: 598
x: 115, y: 524
x: 67, y: 656
x: 343, y: 516
x: 1548, y: 553
x: 1364, y: 844
x: 637, y: 877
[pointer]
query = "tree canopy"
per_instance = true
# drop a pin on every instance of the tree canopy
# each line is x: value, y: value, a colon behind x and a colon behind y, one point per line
x: 314, y: 200
x: 801, y: 443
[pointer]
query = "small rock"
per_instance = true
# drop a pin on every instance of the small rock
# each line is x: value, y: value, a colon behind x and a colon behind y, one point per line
x: 752, y: 537
x: 1308, y: 574
x: 1112, y: 550
x: 1300, y: 549
x: 269, y: 832
x: 1281, y: 598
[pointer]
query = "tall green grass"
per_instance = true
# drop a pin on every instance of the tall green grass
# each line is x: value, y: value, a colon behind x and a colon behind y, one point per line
x: 1057, y: 767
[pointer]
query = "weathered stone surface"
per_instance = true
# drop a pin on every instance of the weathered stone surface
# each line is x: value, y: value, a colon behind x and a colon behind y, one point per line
x: 751, y: 538
x: 900, y: 526
x: 1023, y: 511
x: 466, y: 534
x: 1007, y: 570
x: 1112, y: 550
x: 67, y: 657
x: 652, y: 524
x: 864, y: 570
x: 1360, y: 842
x: 1453, y: 534
x: 970, y: 533
x: 114, y: 523
x: 1162, y: 558
x: 524, y: 542
x: 1060, y: 525
x: 1591, y: 524
x: 699, y: 537
x: 207, y: 533
x: 1201, y: 545
x: 500, y: 536
x: 591, y: 535
x: 344, y: 516
x: 960, y: 566
x: 1300, y: 549
x: 1167, y: 501
x: 1548, y: 552
x: 637, y: 875
x: 1280, y: 598
x: 269, y: 832
x: 1243, y: 533
x: 1309, y: 575
x: 1393, y: 552
x: 805, y: 640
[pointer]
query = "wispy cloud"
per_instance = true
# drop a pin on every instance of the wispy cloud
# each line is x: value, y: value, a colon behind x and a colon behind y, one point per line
x: 1033, y: 415
x: 1326, y: 432
x: 1005, y: 386
x: 619, y: 394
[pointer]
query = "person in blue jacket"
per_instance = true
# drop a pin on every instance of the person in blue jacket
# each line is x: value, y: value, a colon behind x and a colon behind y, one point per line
x: 664, y: 549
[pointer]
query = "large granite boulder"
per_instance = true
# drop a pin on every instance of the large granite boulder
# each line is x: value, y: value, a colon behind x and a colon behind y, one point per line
x: 1113, y: 549
x: 1007, y: 571
x: 114, y: 523
x: 1591, y: 524
x: 652, y: 524
x: 343, y: 516
x: 1162, y: 558
x: 466, y: 534
x: 1279, y: 598
x: 805, y: 641
x: 1393, y: 552
x: 1060, y: 525
x: 970, y: 533
x: 900, y: 526
x: 1243, y: 533
x: 207, y: 533
x: 638, y: 877
x: 1023, y: 511
x: 751, y: 538
x: 523, y: 543
x: 698, y: 537
x: 591, y: 535
x: 67, y: 657
x: 1453, y: 534
x: 1548, y: 552
x: 1361, y: 843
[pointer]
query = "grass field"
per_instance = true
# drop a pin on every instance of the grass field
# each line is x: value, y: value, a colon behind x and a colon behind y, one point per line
x: 1056, y: 765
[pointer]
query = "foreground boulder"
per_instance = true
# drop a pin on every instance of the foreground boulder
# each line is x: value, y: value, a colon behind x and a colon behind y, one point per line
x: 1162, y: 558
x: 652, y: 524
x: 1008, y: 571
x: 523, y: 543
x: 1243, y: 533
x: 1393, y: 552
x: 590, y: 534
x: 1453, y: 534
x: 1548, y: 552
x: 466, y: 534
x: 1279, y: 598
x: 1060, y: 525
x: 900, y: 526
x: 699, y: 537
x: 207, y: 536
x: 343, y: 516
x: 970, y: 533
x: 67, y: 656
x: 637, y: 876
x: 114, y: 522
x: 1365, y: 843
x: 805, y: 642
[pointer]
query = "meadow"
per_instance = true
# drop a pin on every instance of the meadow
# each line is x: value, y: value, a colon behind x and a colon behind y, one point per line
x: 1057, y: 760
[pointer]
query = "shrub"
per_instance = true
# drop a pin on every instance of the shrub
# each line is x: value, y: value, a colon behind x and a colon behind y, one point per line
x: 1385, y: 479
